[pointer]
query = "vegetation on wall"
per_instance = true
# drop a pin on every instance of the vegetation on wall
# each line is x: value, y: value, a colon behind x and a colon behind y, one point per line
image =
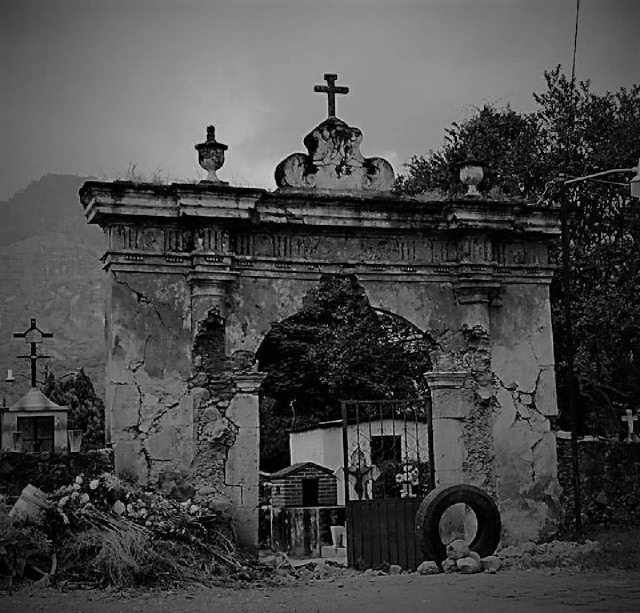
x: 574, y: 131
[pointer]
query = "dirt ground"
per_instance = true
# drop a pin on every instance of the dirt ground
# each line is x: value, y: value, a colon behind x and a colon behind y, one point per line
x: 505, y: 592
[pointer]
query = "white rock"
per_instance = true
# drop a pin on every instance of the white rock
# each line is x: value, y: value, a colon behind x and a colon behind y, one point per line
x: 468, y: 565
x: 449, y: 566
x: 395, y: 569
x: 491, y: 564
x: 428, y: 567
x: 457, y: 549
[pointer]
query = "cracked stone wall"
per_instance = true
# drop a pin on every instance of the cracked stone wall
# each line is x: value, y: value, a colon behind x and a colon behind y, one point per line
x: 256, y: 303
x: 525, y: 447
x: 182, y: 409
x: 212, y: 390
x: 493, y: 425
x: 184, y: 398
x: 150, y: 416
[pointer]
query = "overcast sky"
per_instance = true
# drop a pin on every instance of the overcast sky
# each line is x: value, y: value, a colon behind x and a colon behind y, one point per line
x: 90, y: 86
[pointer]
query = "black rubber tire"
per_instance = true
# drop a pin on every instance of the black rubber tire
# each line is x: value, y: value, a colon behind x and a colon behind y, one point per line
x: 432, y: 509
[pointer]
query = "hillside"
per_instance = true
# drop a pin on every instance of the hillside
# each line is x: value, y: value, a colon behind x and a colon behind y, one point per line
x: 50, y: 269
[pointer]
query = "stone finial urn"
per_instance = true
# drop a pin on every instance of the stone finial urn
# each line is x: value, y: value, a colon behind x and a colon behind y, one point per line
x: 211, y: 156
x: 471, y: 174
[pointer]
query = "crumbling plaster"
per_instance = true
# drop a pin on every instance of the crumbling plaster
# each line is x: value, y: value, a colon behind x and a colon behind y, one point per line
x: 471, y: 273
x: 525, y: 449
x: 149, y: 340
x: 256, y: 303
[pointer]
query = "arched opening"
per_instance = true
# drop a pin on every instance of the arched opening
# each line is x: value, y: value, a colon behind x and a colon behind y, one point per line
x: 337, y: 347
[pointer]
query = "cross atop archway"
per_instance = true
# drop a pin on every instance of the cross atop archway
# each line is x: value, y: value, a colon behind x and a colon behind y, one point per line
x: 331, y: 90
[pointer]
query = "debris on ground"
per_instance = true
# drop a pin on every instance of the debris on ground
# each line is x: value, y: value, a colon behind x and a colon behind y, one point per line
x: 107, y: 532
x: 555, y: 554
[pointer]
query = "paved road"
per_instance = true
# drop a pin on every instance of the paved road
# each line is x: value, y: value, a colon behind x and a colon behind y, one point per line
x: 505, y: 592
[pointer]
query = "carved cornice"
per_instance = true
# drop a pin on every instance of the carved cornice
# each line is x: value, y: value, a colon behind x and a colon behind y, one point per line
x: 180, y: 228
x: 108, y: 203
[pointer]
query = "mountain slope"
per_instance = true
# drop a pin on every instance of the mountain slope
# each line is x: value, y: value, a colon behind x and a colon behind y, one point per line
x: 50, y: 269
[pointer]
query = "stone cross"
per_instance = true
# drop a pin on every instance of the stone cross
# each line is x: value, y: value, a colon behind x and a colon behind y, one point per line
x: 630, y: 418
x: 331, y: 90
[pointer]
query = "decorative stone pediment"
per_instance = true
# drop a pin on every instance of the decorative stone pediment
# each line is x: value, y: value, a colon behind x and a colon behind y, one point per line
x: 334, y: 162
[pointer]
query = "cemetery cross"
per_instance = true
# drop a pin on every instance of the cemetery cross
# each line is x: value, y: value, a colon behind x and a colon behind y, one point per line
x: 630, y: 418
x: 331, y: 90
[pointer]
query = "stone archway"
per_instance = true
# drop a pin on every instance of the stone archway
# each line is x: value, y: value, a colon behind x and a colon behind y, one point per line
x: 206, y: 268
x: 337, y: 347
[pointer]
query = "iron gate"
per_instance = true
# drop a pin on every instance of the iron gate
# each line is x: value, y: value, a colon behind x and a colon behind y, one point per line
x: 388, y: 459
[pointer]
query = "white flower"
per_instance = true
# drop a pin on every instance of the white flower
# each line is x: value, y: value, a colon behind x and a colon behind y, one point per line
x: 79, y: 480
x: 84, y: 498
x: 75, y: 487
x: 93, y: 485
x: 193, y: 509
x: 119, y: 507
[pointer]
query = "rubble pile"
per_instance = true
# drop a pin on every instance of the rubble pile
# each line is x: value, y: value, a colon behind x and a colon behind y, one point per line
x: 106, y: 532
x: 555, y: 554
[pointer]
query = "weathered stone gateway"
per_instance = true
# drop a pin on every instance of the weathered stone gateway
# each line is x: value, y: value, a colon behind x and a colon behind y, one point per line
x: 198, y: 274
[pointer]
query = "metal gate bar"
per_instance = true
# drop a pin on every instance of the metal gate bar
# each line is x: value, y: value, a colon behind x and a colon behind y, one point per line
x: 382, y: 529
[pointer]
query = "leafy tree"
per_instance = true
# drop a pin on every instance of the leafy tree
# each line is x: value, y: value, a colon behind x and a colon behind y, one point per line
x: 577, y: 132
x: 86, y: 408
x: 336, y: 348
x: 507, y: 142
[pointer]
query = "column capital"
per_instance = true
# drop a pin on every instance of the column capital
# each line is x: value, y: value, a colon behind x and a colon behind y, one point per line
x: 478, y: 291
x: 446, y: 379
x: 249, y: 383
x: 208, y: 291
x: 201, y: 278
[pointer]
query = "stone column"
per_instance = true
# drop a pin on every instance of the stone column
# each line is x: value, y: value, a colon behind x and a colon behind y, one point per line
x: 476, y: 296
x: 451, y: 402
x: 208, y: 291
x: 242, y: 465
x: 453, y: 388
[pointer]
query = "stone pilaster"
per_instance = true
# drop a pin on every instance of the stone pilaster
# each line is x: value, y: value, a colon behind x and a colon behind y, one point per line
x: 451, y: 402
x: 476, y: 296
x: 242, y: 465
x: 208, y: 292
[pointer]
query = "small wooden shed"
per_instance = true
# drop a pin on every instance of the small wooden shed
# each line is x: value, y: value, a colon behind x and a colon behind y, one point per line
x: 304, y: 484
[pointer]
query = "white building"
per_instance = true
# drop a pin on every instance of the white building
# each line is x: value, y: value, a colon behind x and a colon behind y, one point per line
x: 368, y: 443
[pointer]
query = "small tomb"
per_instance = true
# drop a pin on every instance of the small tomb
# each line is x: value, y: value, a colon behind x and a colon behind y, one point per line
x: 35, y: 424
x: 304, y: 484
x: 305, y: 518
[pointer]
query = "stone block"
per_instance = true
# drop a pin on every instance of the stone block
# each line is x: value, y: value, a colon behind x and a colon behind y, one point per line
x: 545, y: 397
x: 428, y: 567
x: 124, y: 409
x: 243, y: 411
x: 129, y: 459
x: 457, y: 549
x: 491, y: 564
x: 452, y: 403
x: 468, y: 566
